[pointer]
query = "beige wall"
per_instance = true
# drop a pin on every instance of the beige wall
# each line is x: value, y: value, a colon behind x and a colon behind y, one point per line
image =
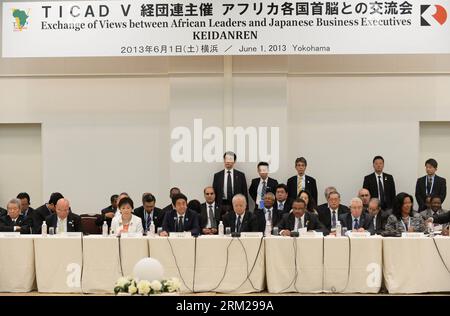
x: 106, y: 122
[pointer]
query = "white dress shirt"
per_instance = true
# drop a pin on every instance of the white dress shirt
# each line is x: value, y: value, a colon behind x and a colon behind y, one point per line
x: 63, y: 223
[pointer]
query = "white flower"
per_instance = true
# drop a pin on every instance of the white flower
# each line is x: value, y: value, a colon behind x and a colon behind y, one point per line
x: 121, y: 282
x: 156, y: 285
x: 143, y: 287
x: 173, y: 284
x: 132, y: 289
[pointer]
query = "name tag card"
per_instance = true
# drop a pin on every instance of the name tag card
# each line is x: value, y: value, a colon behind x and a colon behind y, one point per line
x: 10, y: 234
x: 310, y: 233
x: 70, y: 234
x: 180, y: 235
x: 131, y: 235
x: 251, y: 235
x: 413, y: 235
x: 358, y: 234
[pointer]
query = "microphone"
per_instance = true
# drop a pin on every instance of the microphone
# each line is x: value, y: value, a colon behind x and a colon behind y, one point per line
x: 294, y: 234
x: 176, y: 223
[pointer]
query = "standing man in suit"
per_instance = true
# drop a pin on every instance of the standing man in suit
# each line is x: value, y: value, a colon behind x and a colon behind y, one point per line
x: 41, y: 213
x: 268, y: 213
x: 378, y: 217
x: 149, y: 213
x: 380, y: 185
x: 62, y: 220
x: 239, y: 219
x: 430, y: 184
x: 301, y: 181
x: 229, y: 182
x: 283, y: 203
x: 210, y: 212
x: 300, y: 218
x: 329, y: 213
x: 181, y: 219
x: 14, y: 221
x: 356, y: 220
x: 261, y: 185
x: 108, y: 213
x: 25, y: 208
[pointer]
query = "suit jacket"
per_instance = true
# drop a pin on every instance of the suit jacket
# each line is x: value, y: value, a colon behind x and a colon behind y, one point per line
x: 261, y: 218
x: 371, y: 184
x: 378, y: 226
x: 439, y: 188
x: 325, y: 214
x: 239, y: 185
x: 6, y: 224
x: 249, y: 222
x: 30, y: 213
x: 442, y: 219
x: 271, y: 186
x: 287, y: 206
x: 394, y: 227
x: 310, y: 186
x: 73, y: 222
x: 190, y: 222
x: 39, y: 216
x: 347, y: 221
x: 311, y: 221
x: 101, y: 218
x: 218, y: 212
x: 158, y: 216
x: 429, y: 213
x: 3, y: 212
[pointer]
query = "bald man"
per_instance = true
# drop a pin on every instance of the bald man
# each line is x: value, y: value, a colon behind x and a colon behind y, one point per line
x: 63, y: 220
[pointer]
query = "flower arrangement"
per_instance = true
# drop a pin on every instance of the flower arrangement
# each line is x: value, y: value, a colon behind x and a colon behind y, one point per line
x: 144, y: 287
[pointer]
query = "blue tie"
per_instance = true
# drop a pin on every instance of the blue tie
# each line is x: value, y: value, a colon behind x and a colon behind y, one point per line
x: 356, y: 226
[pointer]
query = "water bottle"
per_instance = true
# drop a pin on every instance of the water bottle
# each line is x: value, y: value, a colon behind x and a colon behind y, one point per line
x: 221, y: 229
x: 338, y: 229
x: 44, y: 229
x: 105, y: 229
x: 268, y: 230
x: 151, y: 229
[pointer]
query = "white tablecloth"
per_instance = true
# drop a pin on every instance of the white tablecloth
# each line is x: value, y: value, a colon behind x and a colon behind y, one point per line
x: 17, y: 272
x: 177, y: 256
x: 132, y: 250
x: 101, y: 264
x: 352, y: 265
x: 225, y: 264
x: 58, y: 263
x: 294, y: 264
x: 417, y: 265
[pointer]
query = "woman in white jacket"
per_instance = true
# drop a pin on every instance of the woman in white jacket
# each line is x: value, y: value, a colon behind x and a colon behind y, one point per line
x: 126, y: 222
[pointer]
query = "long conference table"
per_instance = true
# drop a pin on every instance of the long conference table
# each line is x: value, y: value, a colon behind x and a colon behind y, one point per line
x: 313, y: 264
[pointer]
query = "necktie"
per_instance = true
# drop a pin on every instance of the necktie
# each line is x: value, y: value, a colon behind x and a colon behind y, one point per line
x: 229, y: 187
x: 300, y: 225
x: 429, y: 182
x: 333, y: 219
x: 381, y: 191
x: 356, y: 225
x: 238, y: 224
x: 180, y: 224
x: 299, y: 185
x: 280, y: 206
x: 211, y: 217
x: 269, y: 215
x: 264, y: 188
x: 149, y: 221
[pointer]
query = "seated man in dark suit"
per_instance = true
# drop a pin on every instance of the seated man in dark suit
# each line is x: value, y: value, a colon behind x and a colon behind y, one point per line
x: 181, y: 219
x: 210, y: 212
x: 149, y: 213
x: 42, y: 212
x: 173, y: 191
x: 364, y: 195
x: 25, y: 208
x: 3, y: 212
x: 431, y: 184
x: 229, y: 182
x: 268, y: 213
x: 63, y: 220
x: 107, y: 214
x: 301, y: 181
x: 300, y: 218
x: 356, y: 220
x: 13, y: 221
x: 330, y: 212
x: 283, y: 203
x: 239, y: 220
x: 378, y: 217
x: 261, y: 185
x: 441, y: 219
